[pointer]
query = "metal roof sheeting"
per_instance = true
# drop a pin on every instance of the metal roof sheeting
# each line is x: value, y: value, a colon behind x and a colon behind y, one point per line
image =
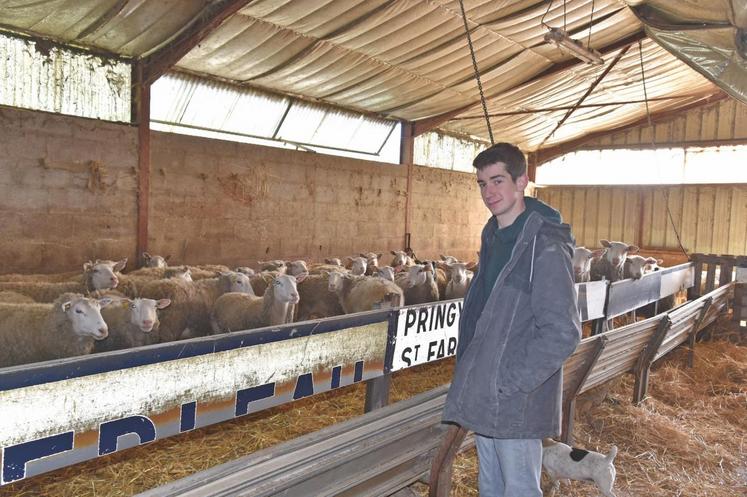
x: 57, y: 80
x: 187, y: 100
x: 404, y: 59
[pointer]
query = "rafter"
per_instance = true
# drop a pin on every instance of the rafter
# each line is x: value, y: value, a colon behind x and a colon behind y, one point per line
x: 156, y: 64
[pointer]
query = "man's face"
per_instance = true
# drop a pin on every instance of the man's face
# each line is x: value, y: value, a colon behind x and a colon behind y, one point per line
x: 499, y: 192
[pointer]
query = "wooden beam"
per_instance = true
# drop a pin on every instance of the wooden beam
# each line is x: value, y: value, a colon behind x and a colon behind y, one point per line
x: 588, y: 92
x: 156, y: 64
x: 406, y: 156
x: 550, y: 153
x: 141, y: 117
x: 426, y: 125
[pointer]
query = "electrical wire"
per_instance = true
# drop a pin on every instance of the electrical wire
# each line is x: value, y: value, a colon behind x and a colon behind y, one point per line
x: 653, y: 145
x: 542, y: 19
x: 591, y: 22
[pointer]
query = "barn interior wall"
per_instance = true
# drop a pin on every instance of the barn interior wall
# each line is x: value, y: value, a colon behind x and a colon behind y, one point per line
x: 68, y: 194
x: 708, y: 218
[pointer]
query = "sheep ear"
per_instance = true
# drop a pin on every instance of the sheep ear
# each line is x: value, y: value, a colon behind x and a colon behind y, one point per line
x: 146, y: 256
x: 378, y: 256
x: 301, y: 277
x: 659, y: 261
x: 597, y: 253
x: 163, y: 303
x: 363, y: 255
x: 87, y: 266
x: 393, y: 252
x: 66, y: 305
x: 167, y: 258
x: 120, y: 265
x: 443, y: 257
x: 104, y: 301
x: 632, y: 249
x: 605, y: 243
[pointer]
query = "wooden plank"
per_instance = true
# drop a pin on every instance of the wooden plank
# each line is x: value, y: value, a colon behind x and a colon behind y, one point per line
x: 678, y: 129
x: 604, y: 208
x: 617, y: 225
x: 632, y: 217
x: 578, y: 215
x: 566, y: 203
x: 740, y: 120
x: 709, y: 127
x: 738, y: 221
x: 721, y: 221
x: 663, y: 132
x: 689, y: 217
x: 647, y: 218
x: 704, y: 229
x: 591, y: 236
x: 659, y: 219
x: 727, y: 108
x: 693, y: 124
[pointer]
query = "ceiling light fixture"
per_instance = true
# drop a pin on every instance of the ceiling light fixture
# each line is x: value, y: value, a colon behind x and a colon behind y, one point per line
x: 562, y: 40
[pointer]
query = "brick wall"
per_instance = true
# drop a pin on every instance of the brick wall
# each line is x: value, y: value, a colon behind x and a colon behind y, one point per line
x: 67, y: 194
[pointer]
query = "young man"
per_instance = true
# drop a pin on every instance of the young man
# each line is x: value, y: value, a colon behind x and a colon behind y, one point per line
x: 519, y: 324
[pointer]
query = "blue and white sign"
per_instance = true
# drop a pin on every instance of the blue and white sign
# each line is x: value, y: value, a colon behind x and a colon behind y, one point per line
x: 427, y: 333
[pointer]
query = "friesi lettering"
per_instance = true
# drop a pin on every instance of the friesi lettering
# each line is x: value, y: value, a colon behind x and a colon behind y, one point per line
x: 15, y: 458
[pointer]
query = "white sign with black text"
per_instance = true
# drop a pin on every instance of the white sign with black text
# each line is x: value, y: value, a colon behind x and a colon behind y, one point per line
x: 426, y: 334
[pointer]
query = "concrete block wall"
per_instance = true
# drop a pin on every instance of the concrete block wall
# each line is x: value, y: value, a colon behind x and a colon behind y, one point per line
x: 66, y: 191
x: 68, y: 194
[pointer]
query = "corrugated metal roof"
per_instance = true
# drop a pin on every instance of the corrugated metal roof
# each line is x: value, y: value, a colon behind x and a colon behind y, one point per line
x: 405, y: 59
x: 56, y: 80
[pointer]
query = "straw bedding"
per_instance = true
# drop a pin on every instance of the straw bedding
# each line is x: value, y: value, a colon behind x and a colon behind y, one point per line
x: 688, y: 438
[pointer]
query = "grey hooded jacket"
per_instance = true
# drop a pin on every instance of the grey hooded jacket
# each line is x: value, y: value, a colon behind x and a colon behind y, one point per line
x: 508, y: 377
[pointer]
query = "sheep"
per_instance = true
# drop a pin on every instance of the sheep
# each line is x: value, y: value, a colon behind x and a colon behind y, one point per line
x: 236, y: 311
x: 401, y: 260
x: 155, y: 260
x: 333, y: 261
x: 261, y: 280
x: 50, y: 278
x: 130, y: 323
x: 191, y: 303
x: 358, y: 265
x: 449, y: 259
x: 610, y: 265
x: 9, y: 297
x: 385, y: 272
x: 294, y: 268
x: 318, y: 268
x: 98, y: 275
x: 41, y: 332
x: 316, y: 300
x: 179, y: 272
x: 459, y: 280
x: 372, y: 262
x: 364, y: 293
x: 418, y: 284
x: 246, y: 270
x: 276, y: 265
x: 582, y: 258
x: 636, y: 266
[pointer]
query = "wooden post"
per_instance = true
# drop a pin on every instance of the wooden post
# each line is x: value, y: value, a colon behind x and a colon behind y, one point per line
x: 694, y: 291
x: 377, y: 392
x: 141, y: 117
x: 569, y: 404
x: 643, y: 367
x: 694, y: 333
x: 406, y: 155
x: 440, y: 483
x: 727, y: 267
x: 710, y: 283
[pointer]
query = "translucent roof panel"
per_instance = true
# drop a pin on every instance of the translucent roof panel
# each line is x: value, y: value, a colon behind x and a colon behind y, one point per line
x: 55, y: 79
x: 447, y: 152
x: 180, y: 101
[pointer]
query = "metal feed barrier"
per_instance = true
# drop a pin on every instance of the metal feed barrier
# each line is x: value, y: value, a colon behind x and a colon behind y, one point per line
x: 383, y: 451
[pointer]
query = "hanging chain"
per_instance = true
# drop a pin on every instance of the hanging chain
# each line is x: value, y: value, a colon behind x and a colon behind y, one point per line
x: 653, y: 146
x: 477, y: 72
x: 591, y: 23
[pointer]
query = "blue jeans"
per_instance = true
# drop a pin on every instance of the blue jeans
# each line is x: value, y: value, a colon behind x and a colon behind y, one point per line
x: 509, y: 468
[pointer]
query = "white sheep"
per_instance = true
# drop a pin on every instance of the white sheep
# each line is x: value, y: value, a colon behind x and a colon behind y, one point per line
x: 610, y: 265
x: 459, y: 280
x: 276, y: 265
x: 98, y: 275
x: 317, y: 301
x: 246, y: 270
x: 582, y: 258
x: 130, y: 323
x: 401, y: 260
x: 294, y: 268
x: 48, y: 277
x: 636, y: 266
x: 191, y: 303
x: 41, y: 332
x: 372, y: 262
x: 333, y: 261
x: 364, y: 293
x: 358, y: 265
x: 418, y: 284
x: 385, y: 272
x: 155, y: 260
x: 236, y: 311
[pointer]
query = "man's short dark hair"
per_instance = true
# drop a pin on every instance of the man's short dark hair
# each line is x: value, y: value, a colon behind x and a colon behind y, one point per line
x: 510, y: 155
